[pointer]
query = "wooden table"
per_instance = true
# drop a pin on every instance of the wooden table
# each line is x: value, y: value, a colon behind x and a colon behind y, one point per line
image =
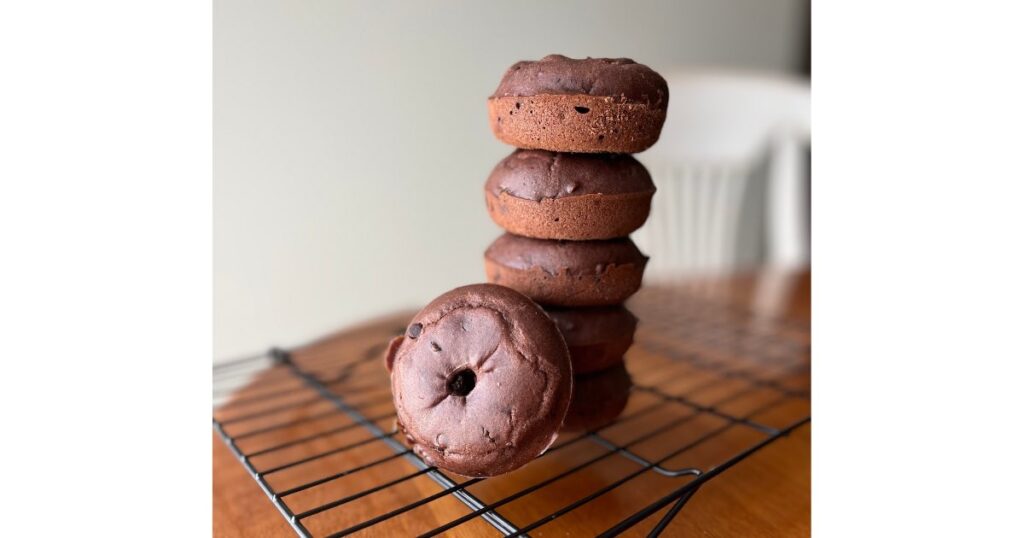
x: 720, y: 367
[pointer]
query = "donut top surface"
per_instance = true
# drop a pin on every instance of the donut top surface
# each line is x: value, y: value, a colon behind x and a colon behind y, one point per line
x: 620, y: 78
x: 481, y: 380
x: 564, y: 257
x: 539, y: 174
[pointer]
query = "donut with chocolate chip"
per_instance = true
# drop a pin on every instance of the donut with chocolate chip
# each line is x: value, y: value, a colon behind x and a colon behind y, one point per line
x: 547, y: 195
x: 566, y: 273
x: 593, y: 105
x: 481, y: 381
x: 597, y: 337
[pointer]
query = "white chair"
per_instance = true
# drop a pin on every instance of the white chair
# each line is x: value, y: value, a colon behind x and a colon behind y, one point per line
x: 732, y: 175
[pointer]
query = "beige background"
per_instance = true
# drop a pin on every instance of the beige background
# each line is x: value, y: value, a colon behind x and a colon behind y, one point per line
x: 351, y: 140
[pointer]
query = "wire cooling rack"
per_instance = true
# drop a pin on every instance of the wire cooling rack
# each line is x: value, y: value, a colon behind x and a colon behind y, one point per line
x: 712, y: 383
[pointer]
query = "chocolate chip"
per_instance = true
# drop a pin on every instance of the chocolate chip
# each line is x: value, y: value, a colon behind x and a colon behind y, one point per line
x: 582, y: 109
x: 414, y: 330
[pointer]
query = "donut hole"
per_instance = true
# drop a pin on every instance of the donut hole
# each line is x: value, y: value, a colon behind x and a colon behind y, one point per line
x: 461, y: 383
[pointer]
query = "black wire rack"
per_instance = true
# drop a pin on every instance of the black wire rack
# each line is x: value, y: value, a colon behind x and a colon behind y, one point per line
x: 712, y: 383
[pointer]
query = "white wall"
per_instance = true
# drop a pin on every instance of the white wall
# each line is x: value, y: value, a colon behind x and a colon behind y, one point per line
x: 351, y: 140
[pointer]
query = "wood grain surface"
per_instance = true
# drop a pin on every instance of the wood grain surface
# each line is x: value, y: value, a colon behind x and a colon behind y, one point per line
x: 719, y: 364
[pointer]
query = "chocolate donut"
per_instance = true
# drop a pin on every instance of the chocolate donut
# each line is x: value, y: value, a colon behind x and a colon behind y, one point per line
x: 566, y: 273
x: 481, y: 381
x: 594, y: 105
x: 598, y: 398
x: 597, y: 337
x: 546, y: 195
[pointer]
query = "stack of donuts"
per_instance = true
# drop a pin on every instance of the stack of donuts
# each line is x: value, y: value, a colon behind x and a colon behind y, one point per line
x: 571, y: 193
x: 483, y: 379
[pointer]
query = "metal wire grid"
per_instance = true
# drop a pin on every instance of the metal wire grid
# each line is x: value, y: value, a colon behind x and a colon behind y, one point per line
x: 715, y: 340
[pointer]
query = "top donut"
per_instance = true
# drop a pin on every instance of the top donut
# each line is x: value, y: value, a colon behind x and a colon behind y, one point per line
x: 594, y: 105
